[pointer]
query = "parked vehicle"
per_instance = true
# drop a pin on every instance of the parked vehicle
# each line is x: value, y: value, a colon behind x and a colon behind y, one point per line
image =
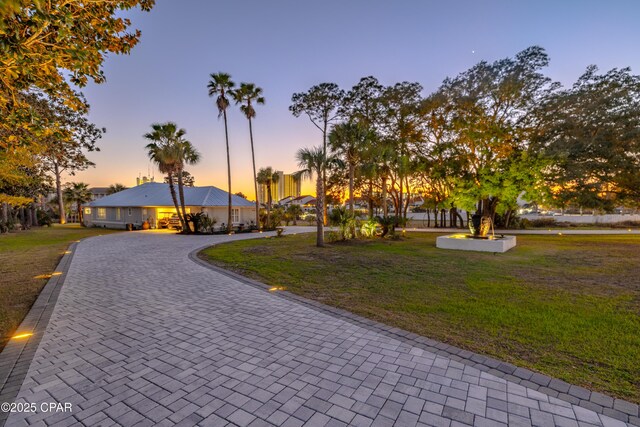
x: 170, y: 222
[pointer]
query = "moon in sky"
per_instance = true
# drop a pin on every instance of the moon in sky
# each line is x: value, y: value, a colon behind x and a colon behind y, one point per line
x: 473, y: 51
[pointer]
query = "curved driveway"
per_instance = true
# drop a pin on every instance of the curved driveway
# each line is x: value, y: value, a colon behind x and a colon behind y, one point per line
x: 142, y: 335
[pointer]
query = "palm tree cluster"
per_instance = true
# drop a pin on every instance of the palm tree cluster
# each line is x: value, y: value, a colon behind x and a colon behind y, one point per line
x: 493, y: 134
x: 266, y: 177
x: 171, y: 152
x: 78, y: 193
x: 247, y: 95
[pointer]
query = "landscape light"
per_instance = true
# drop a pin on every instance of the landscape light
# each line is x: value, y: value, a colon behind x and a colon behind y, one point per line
x: 276, y: 288
x: 24, y: 335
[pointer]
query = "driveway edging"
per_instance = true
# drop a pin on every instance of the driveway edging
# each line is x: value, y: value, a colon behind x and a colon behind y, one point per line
x: 600, y: 403
x: 17, y: 355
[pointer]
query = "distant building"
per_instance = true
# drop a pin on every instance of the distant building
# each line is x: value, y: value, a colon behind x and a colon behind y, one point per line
x: 287, y: 186
x: 99, y: 192
x: 307, y: 203
x: 144, y: 180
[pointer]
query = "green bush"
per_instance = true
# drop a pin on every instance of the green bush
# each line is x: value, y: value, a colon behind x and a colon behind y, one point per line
x: 543, y: 222
x: 370, y: 228
x: 44, y: 218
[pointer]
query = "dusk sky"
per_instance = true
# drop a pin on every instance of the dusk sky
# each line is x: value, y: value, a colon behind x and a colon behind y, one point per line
x: 288, y: 46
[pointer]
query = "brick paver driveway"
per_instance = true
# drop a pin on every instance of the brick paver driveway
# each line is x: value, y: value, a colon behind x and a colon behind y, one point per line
x: 142, y: 335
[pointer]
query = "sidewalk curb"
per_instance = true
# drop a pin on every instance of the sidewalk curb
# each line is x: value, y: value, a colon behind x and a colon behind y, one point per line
x: 17, y: 355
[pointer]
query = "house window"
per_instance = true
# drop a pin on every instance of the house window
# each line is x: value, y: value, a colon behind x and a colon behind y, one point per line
x: 87, y: 211
x: 129, y: 211
x: 235, y: 215
x: 102, y: 213
x: 117, y: 214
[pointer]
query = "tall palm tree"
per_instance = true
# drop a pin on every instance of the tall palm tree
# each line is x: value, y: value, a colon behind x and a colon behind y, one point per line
x: 185, y: 153
x: 162, y: 151
x: 266, y: 177
x: 312, y: 162
x: 247, y: 94
x: 220, y: 85
x: 115, y: 188
x: 349, y: 140
x: 79, y: 193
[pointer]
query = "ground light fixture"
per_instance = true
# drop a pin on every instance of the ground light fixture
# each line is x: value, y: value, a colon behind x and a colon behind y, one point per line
x: 276, y: 288
x: 22, y: 335
x: 48, y: 276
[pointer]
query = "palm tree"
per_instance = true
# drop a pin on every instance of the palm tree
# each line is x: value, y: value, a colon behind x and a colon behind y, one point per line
x: 184, y: 153
x: 220, y: 85
x: 246, y: 94
x: 79, y: 193
x: 115, y: 188
x: 162, y: 152
x: 295, y: 211
x: 349, y: 140
x: 312, y: 162
x: 267, y: 177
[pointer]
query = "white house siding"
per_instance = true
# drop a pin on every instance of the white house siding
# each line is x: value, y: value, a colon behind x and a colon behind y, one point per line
x: 246, y: 215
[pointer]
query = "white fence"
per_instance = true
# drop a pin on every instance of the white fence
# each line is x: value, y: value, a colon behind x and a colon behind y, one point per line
x: 586, y: 219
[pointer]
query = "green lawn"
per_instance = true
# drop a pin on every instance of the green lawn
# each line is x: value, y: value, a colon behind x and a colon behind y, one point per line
x: 24, y: 255
x: 567, y: 306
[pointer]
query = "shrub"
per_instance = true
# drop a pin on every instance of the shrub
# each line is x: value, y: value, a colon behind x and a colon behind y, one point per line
x: 543, y: 222
x: 370, y: 228
x: 346, y: 222
x: 207, y: 224
x: 44, y: 218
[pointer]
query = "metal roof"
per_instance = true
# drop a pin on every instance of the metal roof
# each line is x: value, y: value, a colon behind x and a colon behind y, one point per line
x: 157, y: 194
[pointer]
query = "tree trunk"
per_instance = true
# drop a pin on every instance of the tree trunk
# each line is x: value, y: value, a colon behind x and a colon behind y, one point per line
x: 407, y: 202
x: 29, y: 219
x: 34, y: 215
x: 172, y: 190
x: 508, y: 218
x: 435, y: 216
x: 460, y: 218
x: 352, y: 172
x: 181, y: 194
x: 79, y: 210
x: 58, y: 173
x: 371, y: 198
x: 255, y: 181
x: 226, y: 136
x: 23, y: 221
x: 325, y: 215
x: 5, y: 212
x: 400, y: 199
x: 269, y: 205
x: 319, y: 210
x: 428, y: 218
x: 385, y: 209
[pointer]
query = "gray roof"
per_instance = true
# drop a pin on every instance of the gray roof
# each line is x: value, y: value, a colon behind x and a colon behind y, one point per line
x: 157, y: 194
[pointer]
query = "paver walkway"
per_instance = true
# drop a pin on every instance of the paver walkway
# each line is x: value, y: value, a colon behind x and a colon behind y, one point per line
x: 142, y: 335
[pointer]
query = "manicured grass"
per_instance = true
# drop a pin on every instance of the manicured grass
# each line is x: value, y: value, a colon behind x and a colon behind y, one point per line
x: 567, y: 306
x: 24, y: 255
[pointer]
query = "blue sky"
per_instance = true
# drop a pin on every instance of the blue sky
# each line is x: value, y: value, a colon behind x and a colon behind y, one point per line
x: 287, y: 46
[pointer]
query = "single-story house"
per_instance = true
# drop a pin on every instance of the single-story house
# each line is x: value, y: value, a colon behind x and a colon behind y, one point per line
x: 152, y: 202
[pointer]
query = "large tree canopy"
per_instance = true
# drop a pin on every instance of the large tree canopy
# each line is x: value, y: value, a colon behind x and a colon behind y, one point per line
x: 592, y: 140
x: 40, y: 40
